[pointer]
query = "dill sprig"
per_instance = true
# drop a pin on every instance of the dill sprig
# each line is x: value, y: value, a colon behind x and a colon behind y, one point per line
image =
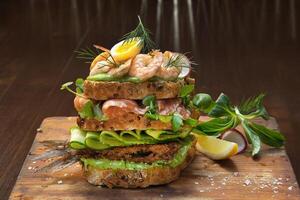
x: 143, y: 34
x: 179, y: 60
x: 112, y: 61
x: 87, y: 54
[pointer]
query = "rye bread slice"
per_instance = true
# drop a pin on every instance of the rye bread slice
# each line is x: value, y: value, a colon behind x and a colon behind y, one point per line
x: 101, y: 90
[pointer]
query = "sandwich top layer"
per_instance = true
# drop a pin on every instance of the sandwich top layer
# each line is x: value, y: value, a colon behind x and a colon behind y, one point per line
x: 139, y: 67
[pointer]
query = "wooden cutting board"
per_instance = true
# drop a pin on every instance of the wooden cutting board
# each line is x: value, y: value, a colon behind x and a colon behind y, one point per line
x: 268, y: 177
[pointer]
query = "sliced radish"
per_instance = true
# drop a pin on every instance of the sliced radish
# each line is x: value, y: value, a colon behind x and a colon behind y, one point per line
x: 236, y: 136
x: 185, y: 71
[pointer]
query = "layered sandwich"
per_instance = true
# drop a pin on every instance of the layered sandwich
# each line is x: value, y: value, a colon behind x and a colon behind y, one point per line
x: 137, y: 116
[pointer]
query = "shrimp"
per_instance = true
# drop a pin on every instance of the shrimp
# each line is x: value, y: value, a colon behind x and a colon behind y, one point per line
x: 165, y: 71
x: 121, y: 70
x: 101, y: 57
x: 79, y: 103
x: 145, y: 66
x: 101, y: 67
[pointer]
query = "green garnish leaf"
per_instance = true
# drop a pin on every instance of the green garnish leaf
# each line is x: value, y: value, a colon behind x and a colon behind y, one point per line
x: 150, y: 102
x: 203, y: 102
x: 191, y: 122
x: 253, y: 139
x: 177, y: 122
x: 66, y: 85
x: 79, y: 85
x: 165, y: 118
x: 251, y: 104
x: 98, y: 113
x: 216, y: 126
x: 143, y: 34
x: 152, y: 116
x: 87, y: 54
x: 270, y: 137
x: 87, y: 110
x: 221, y: 107
x: 186, y: 90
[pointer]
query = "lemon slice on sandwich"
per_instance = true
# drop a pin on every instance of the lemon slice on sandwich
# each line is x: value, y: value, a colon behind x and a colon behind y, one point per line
x: 125, y: 50
x: 215, y: 148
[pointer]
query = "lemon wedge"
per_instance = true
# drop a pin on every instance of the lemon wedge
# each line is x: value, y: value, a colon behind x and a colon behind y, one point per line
x: 215, y: 148
x: 123, y: 51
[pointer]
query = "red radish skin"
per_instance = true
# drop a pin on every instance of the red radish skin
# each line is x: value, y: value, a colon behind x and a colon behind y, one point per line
x: 233, y: 135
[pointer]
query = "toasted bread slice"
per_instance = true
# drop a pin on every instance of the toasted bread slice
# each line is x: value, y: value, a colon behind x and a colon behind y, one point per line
x: 131, y: 122
x: 136, y: 178
x: 101, y: 90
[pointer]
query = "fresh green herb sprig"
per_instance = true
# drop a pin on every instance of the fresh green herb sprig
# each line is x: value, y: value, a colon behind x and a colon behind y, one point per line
x: 92, y: 111
x: 143, y: 34
x: 225, y: 116
x: 179, y: 60
x: 79, y: 87
x: 87, y: 54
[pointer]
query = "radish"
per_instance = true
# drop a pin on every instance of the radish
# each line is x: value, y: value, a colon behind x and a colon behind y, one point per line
x: 233, y: 135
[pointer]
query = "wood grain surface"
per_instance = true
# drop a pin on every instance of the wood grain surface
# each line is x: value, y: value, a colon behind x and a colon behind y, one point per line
x: 268, y: 177
x: 242, y: 48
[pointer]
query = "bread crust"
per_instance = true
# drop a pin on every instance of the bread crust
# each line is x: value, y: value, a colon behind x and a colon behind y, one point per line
x: 101, y: 90
x: 137, y: 178
x: 129, y: 122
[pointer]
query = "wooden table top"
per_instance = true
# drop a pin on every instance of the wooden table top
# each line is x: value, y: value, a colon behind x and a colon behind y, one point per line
x: 242, y: 48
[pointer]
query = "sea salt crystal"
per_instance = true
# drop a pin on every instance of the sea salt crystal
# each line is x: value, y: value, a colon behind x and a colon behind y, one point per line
x: 30, y: 168
x: 247, y: 182
x: 201, y: 191
x: 290, y: 188
x: 196, y: 183
x: 65, y: 174
x: 59, y: 182
x: 161, y: 195
x: 235, y: 173
x: 223, y: 183
x: 34, y: 162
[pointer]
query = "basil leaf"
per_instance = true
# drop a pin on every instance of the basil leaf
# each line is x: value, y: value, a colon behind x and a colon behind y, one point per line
x: 185, y: 90
x: 79, y: 85
x: 87, y: 110
x: 270, y: 137
x: 216, y: 126
x: 222, y: 107
x: 252, y: 137
x: 177, y: 122
x: 203, y: 101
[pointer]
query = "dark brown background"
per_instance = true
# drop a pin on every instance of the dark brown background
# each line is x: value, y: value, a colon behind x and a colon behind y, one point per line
x: 242, y: 48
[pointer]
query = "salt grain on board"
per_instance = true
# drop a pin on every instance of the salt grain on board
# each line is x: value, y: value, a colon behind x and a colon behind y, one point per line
x: 247, y: 182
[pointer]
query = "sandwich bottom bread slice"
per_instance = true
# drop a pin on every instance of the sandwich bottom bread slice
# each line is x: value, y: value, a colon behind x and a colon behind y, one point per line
x: 132, y: 163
